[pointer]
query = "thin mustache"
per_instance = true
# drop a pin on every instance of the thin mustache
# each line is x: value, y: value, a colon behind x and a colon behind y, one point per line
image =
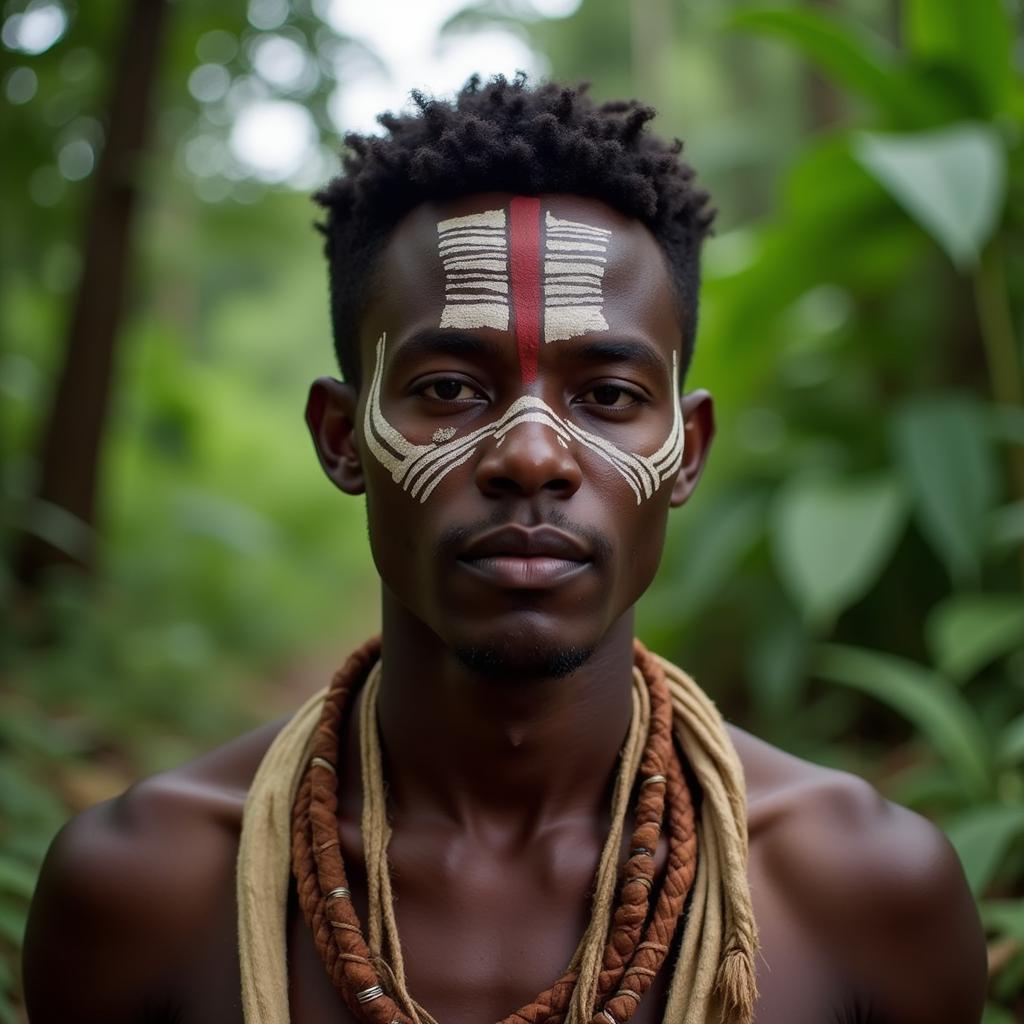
x: 454, y: 539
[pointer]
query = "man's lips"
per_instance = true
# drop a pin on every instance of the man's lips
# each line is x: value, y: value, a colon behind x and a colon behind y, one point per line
x: 523, y: 557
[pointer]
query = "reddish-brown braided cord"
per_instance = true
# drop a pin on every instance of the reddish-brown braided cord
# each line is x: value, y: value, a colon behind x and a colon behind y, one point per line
x: 629, y: 963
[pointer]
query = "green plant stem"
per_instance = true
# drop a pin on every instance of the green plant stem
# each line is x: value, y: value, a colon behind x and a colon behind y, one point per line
x: 1002, y: 350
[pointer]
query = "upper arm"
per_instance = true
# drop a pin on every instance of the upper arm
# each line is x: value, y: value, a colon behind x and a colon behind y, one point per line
x: 927, y: 962
x: 87, y: 956
x: 128, y: 895
x: 894, y: 907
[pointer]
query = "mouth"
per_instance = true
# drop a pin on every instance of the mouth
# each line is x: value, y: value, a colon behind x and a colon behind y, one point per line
x: 525, y: 558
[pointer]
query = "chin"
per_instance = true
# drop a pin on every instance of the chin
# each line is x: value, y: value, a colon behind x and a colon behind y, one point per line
x: 518, y: 658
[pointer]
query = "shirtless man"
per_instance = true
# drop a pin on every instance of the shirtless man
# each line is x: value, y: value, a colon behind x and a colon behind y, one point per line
x: 514, y: 298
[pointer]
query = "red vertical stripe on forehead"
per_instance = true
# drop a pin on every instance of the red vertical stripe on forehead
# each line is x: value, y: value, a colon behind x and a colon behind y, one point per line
x: 524, y: 253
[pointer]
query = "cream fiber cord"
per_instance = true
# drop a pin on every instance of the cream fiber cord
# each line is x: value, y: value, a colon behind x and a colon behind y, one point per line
x: 715, y: 967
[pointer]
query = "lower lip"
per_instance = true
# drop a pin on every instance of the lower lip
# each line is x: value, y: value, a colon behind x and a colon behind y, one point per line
x: 534, y: 573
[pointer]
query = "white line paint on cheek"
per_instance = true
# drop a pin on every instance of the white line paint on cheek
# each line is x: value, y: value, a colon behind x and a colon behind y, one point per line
x: 419, y: 468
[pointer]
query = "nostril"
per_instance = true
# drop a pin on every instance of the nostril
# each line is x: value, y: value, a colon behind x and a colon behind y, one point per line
x: 559, y: 484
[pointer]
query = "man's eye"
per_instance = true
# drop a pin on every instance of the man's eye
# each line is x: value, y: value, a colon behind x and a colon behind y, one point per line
x: 449, y: 390
x: 610, y: 396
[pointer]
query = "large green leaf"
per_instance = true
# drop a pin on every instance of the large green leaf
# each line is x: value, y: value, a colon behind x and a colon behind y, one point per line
x: 994, y: 1014
x: 1006, y: 916
x: 1007, y: 423
x: 982, y: 837
x: 967, y: 631
x: 831, y: 539
x: 951, y: 180
x: 16, y: 877
x: 921, y: 696
x: 974, y: 36
x: 1011, y: 743
x: 1006, y: 526
x: 862, y: 61
x: 942, y: 446
x: 711, y: 547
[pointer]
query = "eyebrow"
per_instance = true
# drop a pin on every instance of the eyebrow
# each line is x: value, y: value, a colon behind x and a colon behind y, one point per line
x: 622, y: 351
x: 433, y: 342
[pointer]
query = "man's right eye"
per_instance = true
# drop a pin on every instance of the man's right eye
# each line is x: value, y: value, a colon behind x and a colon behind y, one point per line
x: 449, y: 389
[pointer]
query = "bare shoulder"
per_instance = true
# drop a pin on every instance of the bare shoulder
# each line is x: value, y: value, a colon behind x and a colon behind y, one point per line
x: 876, y: 885
x: 128, y: 885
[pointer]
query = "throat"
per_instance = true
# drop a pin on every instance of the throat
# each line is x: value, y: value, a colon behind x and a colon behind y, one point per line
x: 464, y: 744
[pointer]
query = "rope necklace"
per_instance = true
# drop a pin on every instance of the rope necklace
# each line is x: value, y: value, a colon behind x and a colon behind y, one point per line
x: 630, y: 932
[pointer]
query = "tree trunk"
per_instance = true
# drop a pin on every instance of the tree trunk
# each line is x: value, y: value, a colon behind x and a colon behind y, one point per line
x: 73, y: 435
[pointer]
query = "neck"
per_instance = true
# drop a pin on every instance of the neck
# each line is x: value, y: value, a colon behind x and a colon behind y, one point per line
x: 498, y: 753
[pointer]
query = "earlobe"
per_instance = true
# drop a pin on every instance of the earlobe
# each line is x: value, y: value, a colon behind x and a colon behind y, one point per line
x: 699, y: 427
x: 331, y: 418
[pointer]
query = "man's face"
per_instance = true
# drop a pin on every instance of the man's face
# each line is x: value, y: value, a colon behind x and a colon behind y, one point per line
x: 518, y: 430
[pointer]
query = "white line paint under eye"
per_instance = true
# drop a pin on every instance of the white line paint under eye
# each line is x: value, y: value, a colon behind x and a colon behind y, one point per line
x: 419, y: 468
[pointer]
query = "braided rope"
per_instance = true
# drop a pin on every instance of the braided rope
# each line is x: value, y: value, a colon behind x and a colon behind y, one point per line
x: 611, y: 949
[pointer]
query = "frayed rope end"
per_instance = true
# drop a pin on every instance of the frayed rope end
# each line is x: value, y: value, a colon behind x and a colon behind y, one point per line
x: 736, y: 984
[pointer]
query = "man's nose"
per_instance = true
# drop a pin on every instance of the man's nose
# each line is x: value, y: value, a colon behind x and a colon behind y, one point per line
x: 530, y: 458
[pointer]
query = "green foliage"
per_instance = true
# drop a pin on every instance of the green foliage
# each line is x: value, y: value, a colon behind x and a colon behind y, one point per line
x: 952, y: 180
x: 901, y: 393
x: 968, y: 631
x: 831, y: 538
x: 846, y: 581
x: 935, y: 707
x: 942, y: 448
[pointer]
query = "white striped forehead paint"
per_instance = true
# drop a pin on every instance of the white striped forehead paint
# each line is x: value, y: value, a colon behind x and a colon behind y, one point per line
x: 419, y: 468
x: 497, y: 267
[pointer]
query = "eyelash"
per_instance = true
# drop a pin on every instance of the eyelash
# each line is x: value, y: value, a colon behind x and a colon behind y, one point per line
x: 423, y: 388
x: 636, y: 397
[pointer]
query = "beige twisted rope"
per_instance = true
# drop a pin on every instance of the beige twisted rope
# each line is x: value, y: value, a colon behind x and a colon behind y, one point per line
x: 714, y: 980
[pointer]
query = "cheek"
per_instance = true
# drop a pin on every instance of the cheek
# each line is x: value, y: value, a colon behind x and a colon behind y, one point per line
x: 641, y: 541
x: 396, y: 526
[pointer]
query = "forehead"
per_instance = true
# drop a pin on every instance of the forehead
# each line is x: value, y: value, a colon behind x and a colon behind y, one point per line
x: 418, y: 281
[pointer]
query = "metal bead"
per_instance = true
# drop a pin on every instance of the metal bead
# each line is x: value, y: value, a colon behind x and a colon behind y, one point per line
x: 341, y: 893
x: 608, y: 1017
x: 646, y: 882
x: 637, y: 851
x: 369, y: 994
x: 652, y: 780
x: 322, y: 762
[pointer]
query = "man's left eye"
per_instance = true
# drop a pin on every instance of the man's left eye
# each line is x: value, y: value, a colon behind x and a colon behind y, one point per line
x: 609, y: 396
x: 449, y: 390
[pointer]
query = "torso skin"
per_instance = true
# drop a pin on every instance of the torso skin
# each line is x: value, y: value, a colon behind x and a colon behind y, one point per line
x: 861, y: 906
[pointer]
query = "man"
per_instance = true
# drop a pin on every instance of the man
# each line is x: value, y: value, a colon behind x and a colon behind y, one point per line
x: 513, y: 293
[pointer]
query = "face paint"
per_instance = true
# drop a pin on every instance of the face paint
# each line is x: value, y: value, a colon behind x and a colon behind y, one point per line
x: 475, y: 256
x: 496, y: 265
x: 525, y: 248
x: 419, y: 468
x: 574, y: 259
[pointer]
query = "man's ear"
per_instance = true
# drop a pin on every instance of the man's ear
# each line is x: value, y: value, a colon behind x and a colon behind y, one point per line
x: 699, y: 429
x: 331, y: 418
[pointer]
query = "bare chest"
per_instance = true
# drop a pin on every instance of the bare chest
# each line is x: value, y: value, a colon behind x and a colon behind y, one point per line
x: 482, y: 937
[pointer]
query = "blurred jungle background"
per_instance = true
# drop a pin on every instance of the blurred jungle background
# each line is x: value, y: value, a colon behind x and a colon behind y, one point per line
x: 847, y: 581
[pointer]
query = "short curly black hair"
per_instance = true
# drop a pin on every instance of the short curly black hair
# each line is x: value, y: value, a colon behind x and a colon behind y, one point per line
x: 507, y: 136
